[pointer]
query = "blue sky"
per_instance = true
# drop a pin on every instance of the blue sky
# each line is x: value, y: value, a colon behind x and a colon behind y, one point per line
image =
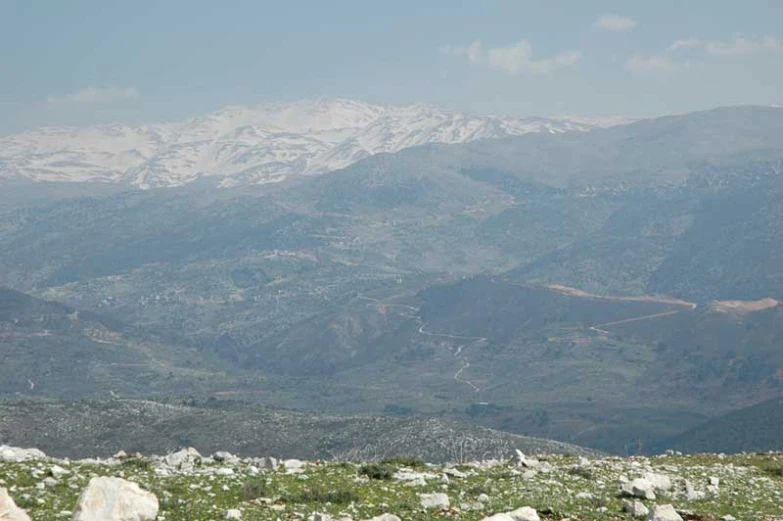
x: 91, y: 61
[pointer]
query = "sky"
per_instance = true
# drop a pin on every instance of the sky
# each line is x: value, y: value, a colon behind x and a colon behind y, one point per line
x: 93, y: 61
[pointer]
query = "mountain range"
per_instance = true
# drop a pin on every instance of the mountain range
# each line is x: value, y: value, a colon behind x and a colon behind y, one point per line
x: 611, y: 288
x: 239, y: 146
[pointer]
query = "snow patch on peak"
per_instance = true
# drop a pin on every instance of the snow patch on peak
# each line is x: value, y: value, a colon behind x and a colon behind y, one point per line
x: 251, y: 145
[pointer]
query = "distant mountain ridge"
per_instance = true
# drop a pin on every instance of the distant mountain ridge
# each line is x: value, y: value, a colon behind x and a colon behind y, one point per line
x: 239, y: 146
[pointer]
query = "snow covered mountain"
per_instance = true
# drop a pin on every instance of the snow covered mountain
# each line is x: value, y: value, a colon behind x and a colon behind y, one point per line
x: 249, y: 145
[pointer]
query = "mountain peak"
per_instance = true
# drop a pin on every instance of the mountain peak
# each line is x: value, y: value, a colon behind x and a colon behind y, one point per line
x: 242, y: 145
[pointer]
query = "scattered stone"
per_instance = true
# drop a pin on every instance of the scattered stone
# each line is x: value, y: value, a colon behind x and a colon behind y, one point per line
x: 636, y: 508
x: 455, y: 473
x: 232, y: 513
x: 663, y: 513
x: 499, y: 517
x: 483, y: 498
x: 183, y: 459
x: 640, y: 488
x: 437, y: 500
x: 293, y: 466
x: 660, y: 482
x: 524, y: 514
x: 416, y: 482
x: 385, y: 517
x: 224, y: 457
x: 56, y: 471
x: 115, y: 499
x: 524, y: 461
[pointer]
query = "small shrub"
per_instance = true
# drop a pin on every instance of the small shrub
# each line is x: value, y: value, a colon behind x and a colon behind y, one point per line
x: 376, y: 471
x: 404, y: 461
x: 582, y: 472
x: 773, y: 469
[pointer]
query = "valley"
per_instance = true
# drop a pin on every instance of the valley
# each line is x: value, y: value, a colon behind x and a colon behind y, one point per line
x: 598, y: 304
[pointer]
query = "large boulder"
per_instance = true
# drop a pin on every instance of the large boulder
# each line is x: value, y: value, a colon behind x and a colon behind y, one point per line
x: 8, y: 509
x: 663, y: 513
x: 115, y: 499
x: 16, y: 454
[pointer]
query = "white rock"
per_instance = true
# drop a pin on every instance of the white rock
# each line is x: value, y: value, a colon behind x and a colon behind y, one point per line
x: 639, y: 487
x: 483, y: 498
x: 524, y: 514
x: 499, y: 517
x: 524, y: 461
x: 584, y: 496
x: 232, y: 513
x: 56, y: 471
x: 408, y: 475
x: 293, y: 466
x: 663, y: 513
x: 115, y: 499
x: 437, y: 500
x: 224, y: 472
x: 636, y: 508
x: 223, y: 456
x: 16, y: 454
x: 183, y: 459
x: 691, y: 494
x: 8, y: 509
x: 661, y: 482
x: 455, y: 473
x: 385, y: 517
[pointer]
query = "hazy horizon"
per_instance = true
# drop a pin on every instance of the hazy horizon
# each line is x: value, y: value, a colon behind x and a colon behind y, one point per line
x: 77, y: 65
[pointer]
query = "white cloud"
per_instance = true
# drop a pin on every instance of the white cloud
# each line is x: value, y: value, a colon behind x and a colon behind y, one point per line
x: 685, y: 43
x: 96, y: 95
x: 513, y: 59
x: 652, y: 63
x: 614, y: 22
x: 741, y: 45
